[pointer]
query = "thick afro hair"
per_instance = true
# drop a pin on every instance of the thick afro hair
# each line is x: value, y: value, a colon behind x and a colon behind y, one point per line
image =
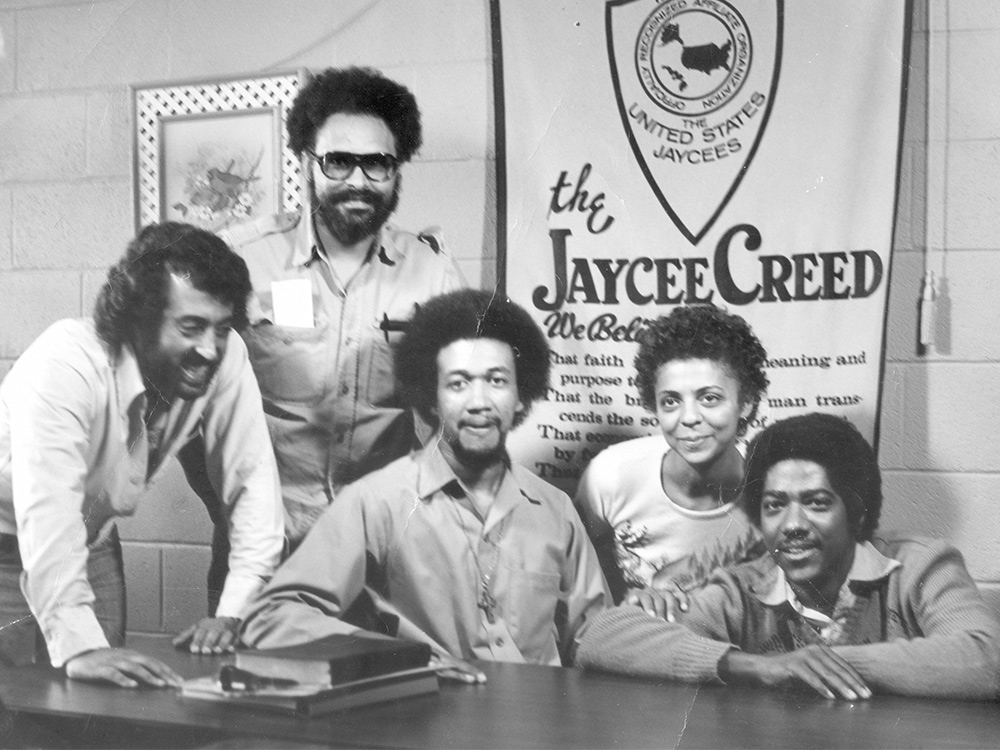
x: 833, y: 443
x: 702, y: 332
x: 354, y: 91
x: 469, y: 314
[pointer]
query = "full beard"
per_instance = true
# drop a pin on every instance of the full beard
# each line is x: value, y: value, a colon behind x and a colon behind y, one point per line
x: 350, y: 227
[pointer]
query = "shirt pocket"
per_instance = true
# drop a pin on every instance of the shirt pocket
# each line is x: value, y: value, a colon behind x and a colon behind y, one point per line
x: 532, y: 598
x: 381, y: 378
x: 291, y: 364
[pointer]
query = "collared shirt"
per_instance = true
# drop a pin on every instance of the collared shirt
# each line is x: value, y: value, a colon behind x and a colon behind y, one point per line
x: 409, y: 536
x: 869, y: 566
x: 329, y: 391
x: 74, y: 454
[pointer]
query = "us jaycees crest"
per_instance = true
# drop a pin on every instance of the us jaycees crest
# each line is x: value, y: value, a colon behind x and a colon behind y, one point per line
x: 669, y: 68
x: 695, y: 80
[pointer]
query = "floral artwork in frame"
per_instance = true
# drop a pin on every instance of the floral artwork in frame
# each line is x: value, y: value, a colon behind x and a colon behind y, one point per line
x: 219, y: 170
x: 214, y: 154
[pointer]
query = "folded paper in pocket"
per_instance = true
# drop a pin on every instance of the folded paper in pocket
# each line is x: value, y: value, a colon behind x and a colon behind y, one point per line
x: 292, y: 303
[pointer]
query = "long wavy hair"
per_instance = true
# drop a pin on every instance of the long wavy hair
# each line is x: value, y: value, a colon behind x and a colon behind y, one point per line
x: 136, y: 291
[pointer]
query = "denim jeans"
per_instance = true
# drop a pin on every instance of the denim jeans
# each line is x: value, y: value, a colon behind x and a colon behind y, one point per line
x: 21, y: 639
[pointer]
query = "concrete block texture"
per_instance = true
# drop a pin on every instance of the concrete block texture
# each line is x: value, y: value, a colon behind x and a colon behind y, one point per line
x: 962, y: 313
x: 456, y: 105
x: 973, y: 72
x: 449, y: 195
x: 972, y: 305
x: 31, y: 301
x: 185, y: 596
x: 972, y: 14
x: 973, y: 192
x: 943, y: 420
x: 233, y: 37
x: 399, y: 32
x: 72, y: 225
x: 53, y: 126
x: 6, y: 229
x: 169, y: 511
x: 937, y: 197
x: 91, y: 44
x: 961, y: 508
x: 143, y: 577
x: 8, y: 50
x: 109, y: 133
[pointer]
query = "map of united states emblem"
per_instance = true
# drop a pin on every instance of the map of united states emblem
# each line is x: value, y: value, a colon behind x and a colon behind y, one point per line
x: 695, y: 81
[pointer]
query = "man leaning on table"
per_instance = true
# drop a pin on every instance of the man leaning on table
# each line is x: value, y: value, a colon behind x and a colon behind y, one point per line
x: 90, y: 415
x: 455, y: 545
x: 832, y: 608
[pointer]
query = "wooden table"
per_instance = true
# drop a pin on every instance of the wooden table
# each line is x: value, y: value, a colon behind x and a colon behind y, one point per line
x: 520, y: 706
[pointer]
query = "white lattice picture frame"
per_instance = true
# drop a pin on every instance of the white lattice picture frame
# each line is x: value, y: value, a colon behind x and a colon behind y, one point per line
x: 214, y: 153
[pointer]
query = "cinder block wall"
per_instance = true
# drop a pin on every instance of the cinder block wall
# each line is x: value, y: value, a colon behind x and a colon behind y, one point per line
x: 66, y: 173
x: 66, y: 214
x: 940, y: 408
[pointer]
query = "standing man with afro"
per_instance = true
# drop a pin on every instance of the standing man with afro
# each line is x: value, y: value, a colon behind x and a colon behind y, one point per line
x: 325, y: 369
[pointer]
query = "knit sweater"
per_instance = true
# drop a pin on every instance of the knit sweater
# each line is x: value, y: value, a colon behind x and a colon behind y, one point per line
x: 922, y: 630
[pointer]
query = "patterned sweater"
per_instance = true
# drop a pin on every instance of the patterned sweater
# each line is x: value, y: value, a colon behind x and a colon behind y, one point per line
x: 922, y: 630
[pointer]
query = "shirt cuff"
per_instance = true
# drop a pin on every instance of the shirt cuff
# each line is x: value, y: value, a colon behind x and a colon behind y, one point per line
x: 72, y: 631
x: 238, y: 592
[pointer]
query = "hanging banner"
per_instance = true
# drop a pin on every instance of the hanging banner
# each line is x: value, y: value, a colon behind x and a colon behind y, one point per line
x: 655, y: 153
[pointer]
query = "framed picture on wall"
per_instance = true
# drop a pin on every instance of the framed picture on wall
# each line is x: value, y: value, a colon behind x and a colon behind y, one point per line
x: 214, y: 153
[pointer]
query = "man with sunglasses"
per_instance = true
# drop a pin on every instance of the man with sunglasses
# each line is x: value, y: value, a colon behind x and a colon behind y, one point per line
x: 333, y: 289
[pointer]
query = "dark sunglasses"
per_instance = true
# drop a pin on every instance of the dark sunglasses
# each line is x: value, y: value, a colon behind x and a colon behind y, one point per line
x: 338, y: 165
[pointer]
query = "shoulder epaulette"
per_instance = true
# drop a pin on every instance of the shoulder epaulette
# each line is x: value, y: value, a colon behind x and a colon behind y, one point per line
x: 432, y: 238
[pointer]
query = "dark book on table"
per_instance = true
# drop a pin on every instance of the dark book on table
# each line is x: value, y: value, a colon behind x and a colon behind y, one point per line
x: 315, y: 700
x: 335, y: 660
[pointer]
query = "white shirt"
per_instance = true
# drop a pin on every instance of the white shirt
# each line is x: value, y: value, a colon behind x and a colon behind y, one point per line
x: 656, y: 541
x: 73, y: 456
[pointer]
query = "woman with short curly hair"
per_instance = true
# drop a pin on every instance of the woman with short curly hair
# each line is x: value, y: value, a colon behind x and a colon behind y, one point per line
x: 662, y: 516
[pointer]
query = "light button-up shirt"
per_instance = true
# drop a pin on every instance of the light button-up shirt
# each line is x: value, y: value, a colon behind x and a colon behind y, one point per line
x: 409, y: 537
x: 329, y: 391
x: 74, y: 455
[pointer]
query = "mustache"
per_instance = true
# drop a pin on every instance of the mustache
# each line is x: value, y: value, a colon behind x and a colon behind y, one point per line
x: 796, y: 538
x: 353, y: 194
x: 193, y: 359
